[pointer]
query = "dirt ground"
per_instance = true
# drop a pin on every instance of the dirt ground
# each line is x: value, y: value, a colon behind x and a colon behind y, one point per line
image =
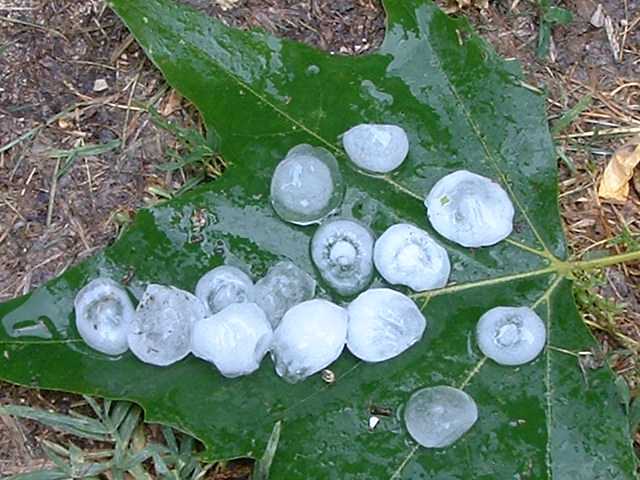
x: 71, y: 77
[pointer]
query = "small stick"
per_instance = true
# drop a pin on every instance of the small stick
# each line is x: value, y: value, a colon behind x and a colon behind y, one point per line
x: 52, y: 192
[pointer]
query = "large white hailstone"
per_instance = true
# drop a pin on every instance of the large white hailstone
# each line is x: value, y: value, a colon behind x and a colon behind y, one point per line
x: 470, y: 210
x: 383, y: 323
x: 376, y: 148
x: 342, y: 249
x: 307, y: 185
x: 511, y: 335
x: 438, y: 416
x: 235, y: 340
x: 104, y: 315
x: 161, y: 334
x: 284, y: 286
x: 223, y: 286
x: 309, y: 338
x: 407, y: 255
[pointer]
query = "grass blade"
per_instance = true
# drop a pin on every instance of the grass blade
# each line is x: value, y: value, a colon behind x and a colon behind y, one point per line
x: 263, y: 466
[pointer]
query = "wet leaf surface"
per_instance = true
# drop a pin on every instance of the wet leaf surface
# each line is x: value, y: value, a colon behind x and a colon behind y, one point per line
x: 462, y: 107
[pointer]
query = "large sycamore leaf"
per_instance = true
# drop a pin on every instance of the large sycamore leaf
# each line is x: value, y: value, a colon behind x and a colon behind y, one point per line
x: 463, y: 107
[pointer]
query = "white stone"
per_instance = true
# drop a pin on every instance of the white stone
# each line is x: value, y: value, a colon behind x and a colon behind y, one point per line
x: 383, y: 323
x: 438, y: 416
x: 104, y: 315
x: 342, y: 250
x: 470, y: 210
x: 284, y: 286
x: 376, y: 148
x: 511, y: 335
x: 309, y: 338
x: 235, y: 340
x: 407, y: 255
x: 161, y: 334
x: 307, y: 185
x: 223, y: 286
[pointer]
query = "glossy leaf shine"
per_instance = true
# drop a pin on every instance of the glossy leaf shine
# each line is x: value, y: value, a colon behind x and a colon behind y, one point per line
x: 462, y: 107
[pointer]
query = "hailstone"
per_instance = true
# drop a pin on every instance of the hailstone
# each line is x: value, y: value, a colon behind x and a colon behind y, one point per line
x: 383, y: 323
x: 104, y: 315
x: 438, y: 416
x: 235, y: 340
x: 470, y: 209
x: 342, y: 249
x: 284, y: 286
x: 309, y: 338
x: 407, y: 255
x: 376, y: 148
x: 307, y: 185
x: 161, y: 334
x: 224, y: 286
x: 511, y: 335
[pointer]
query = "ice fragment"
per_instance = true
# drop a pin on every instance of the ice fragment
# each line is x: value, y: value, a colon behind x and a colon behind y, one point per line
x: 407, y: 255
x: 342, y: 249
x: 376, y: 148
x: 511, y: 335
x: 104, y: 315
x: 469, y: 209
x: 223, y: 286
x: 383, y: 323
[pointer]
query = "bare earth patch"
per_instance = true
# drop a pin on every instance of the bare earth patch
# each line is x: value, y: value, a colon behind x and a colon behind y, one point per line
x: 72, y: 78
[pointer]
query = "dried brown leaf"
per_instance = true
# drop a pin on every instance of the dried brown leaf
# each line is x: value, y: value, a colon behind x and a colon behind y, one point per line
x: 614, y: 185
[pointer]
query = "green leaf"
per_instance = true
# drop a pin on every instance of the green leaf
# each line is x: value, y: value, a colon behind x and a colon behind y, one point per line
x: 463, y: 107
x: 558, y: 15
x: 571, y: 115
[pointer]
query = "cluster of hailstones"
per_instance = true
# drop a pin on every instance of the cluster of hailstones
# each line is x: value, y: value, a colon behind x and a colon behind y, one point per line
x: 232, y: 322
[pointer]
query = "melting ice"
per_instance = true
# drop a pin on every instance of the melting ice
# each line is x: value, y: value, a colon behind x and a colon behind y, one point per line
x: 161, y: 334
x: 284, y: 286
x: 511, y: 335
x: 469, y: 209
x: 383, y: 323
x: 307, y: 185
x: 223, y: 286
x: 342, y: 249
x: 235, y: 340
x: 438, y: 416
x: 376, y: 148
x: 104, y: 315
x: 309, y: 338
x: 407, y: 255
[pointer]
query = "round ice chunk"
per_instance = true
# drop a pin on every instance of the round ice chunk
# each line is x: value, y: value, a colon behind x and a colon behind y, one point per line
x: 438, y: 416
x: 161, y: 334
x: 309, y: 338
x: 407, y: 255
x: 342, y: 249
x: 104, y: 315
x: 511, y: 335
x: 376, y: 148
x: 284, y: 286
x: 306, y: 185
x: 223, y: 286
x: 469, y: 209
x: 383, y: 323
x: 235, y: 340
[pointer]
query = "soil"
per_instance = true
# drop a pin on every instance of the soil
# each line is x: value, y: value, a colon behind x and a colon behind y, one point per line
x: 76, y: 57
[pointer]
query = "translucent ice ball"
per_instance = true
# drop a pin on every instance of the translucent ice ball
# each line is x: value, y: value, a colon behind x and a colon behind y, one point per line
x: 307, y: 185
x: 223, y: 286
x: 104, y: 315
x: 407, y: 255
x: 438, y: 416
x: 161, y: 334
x: 511, y: 335
x: 309, y: 338
x: 342, y: 249
x: 470, y: 210
x: 383, y: 323
x: 235, y: 340
x: 284, y: 286
x: 376, y: 148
